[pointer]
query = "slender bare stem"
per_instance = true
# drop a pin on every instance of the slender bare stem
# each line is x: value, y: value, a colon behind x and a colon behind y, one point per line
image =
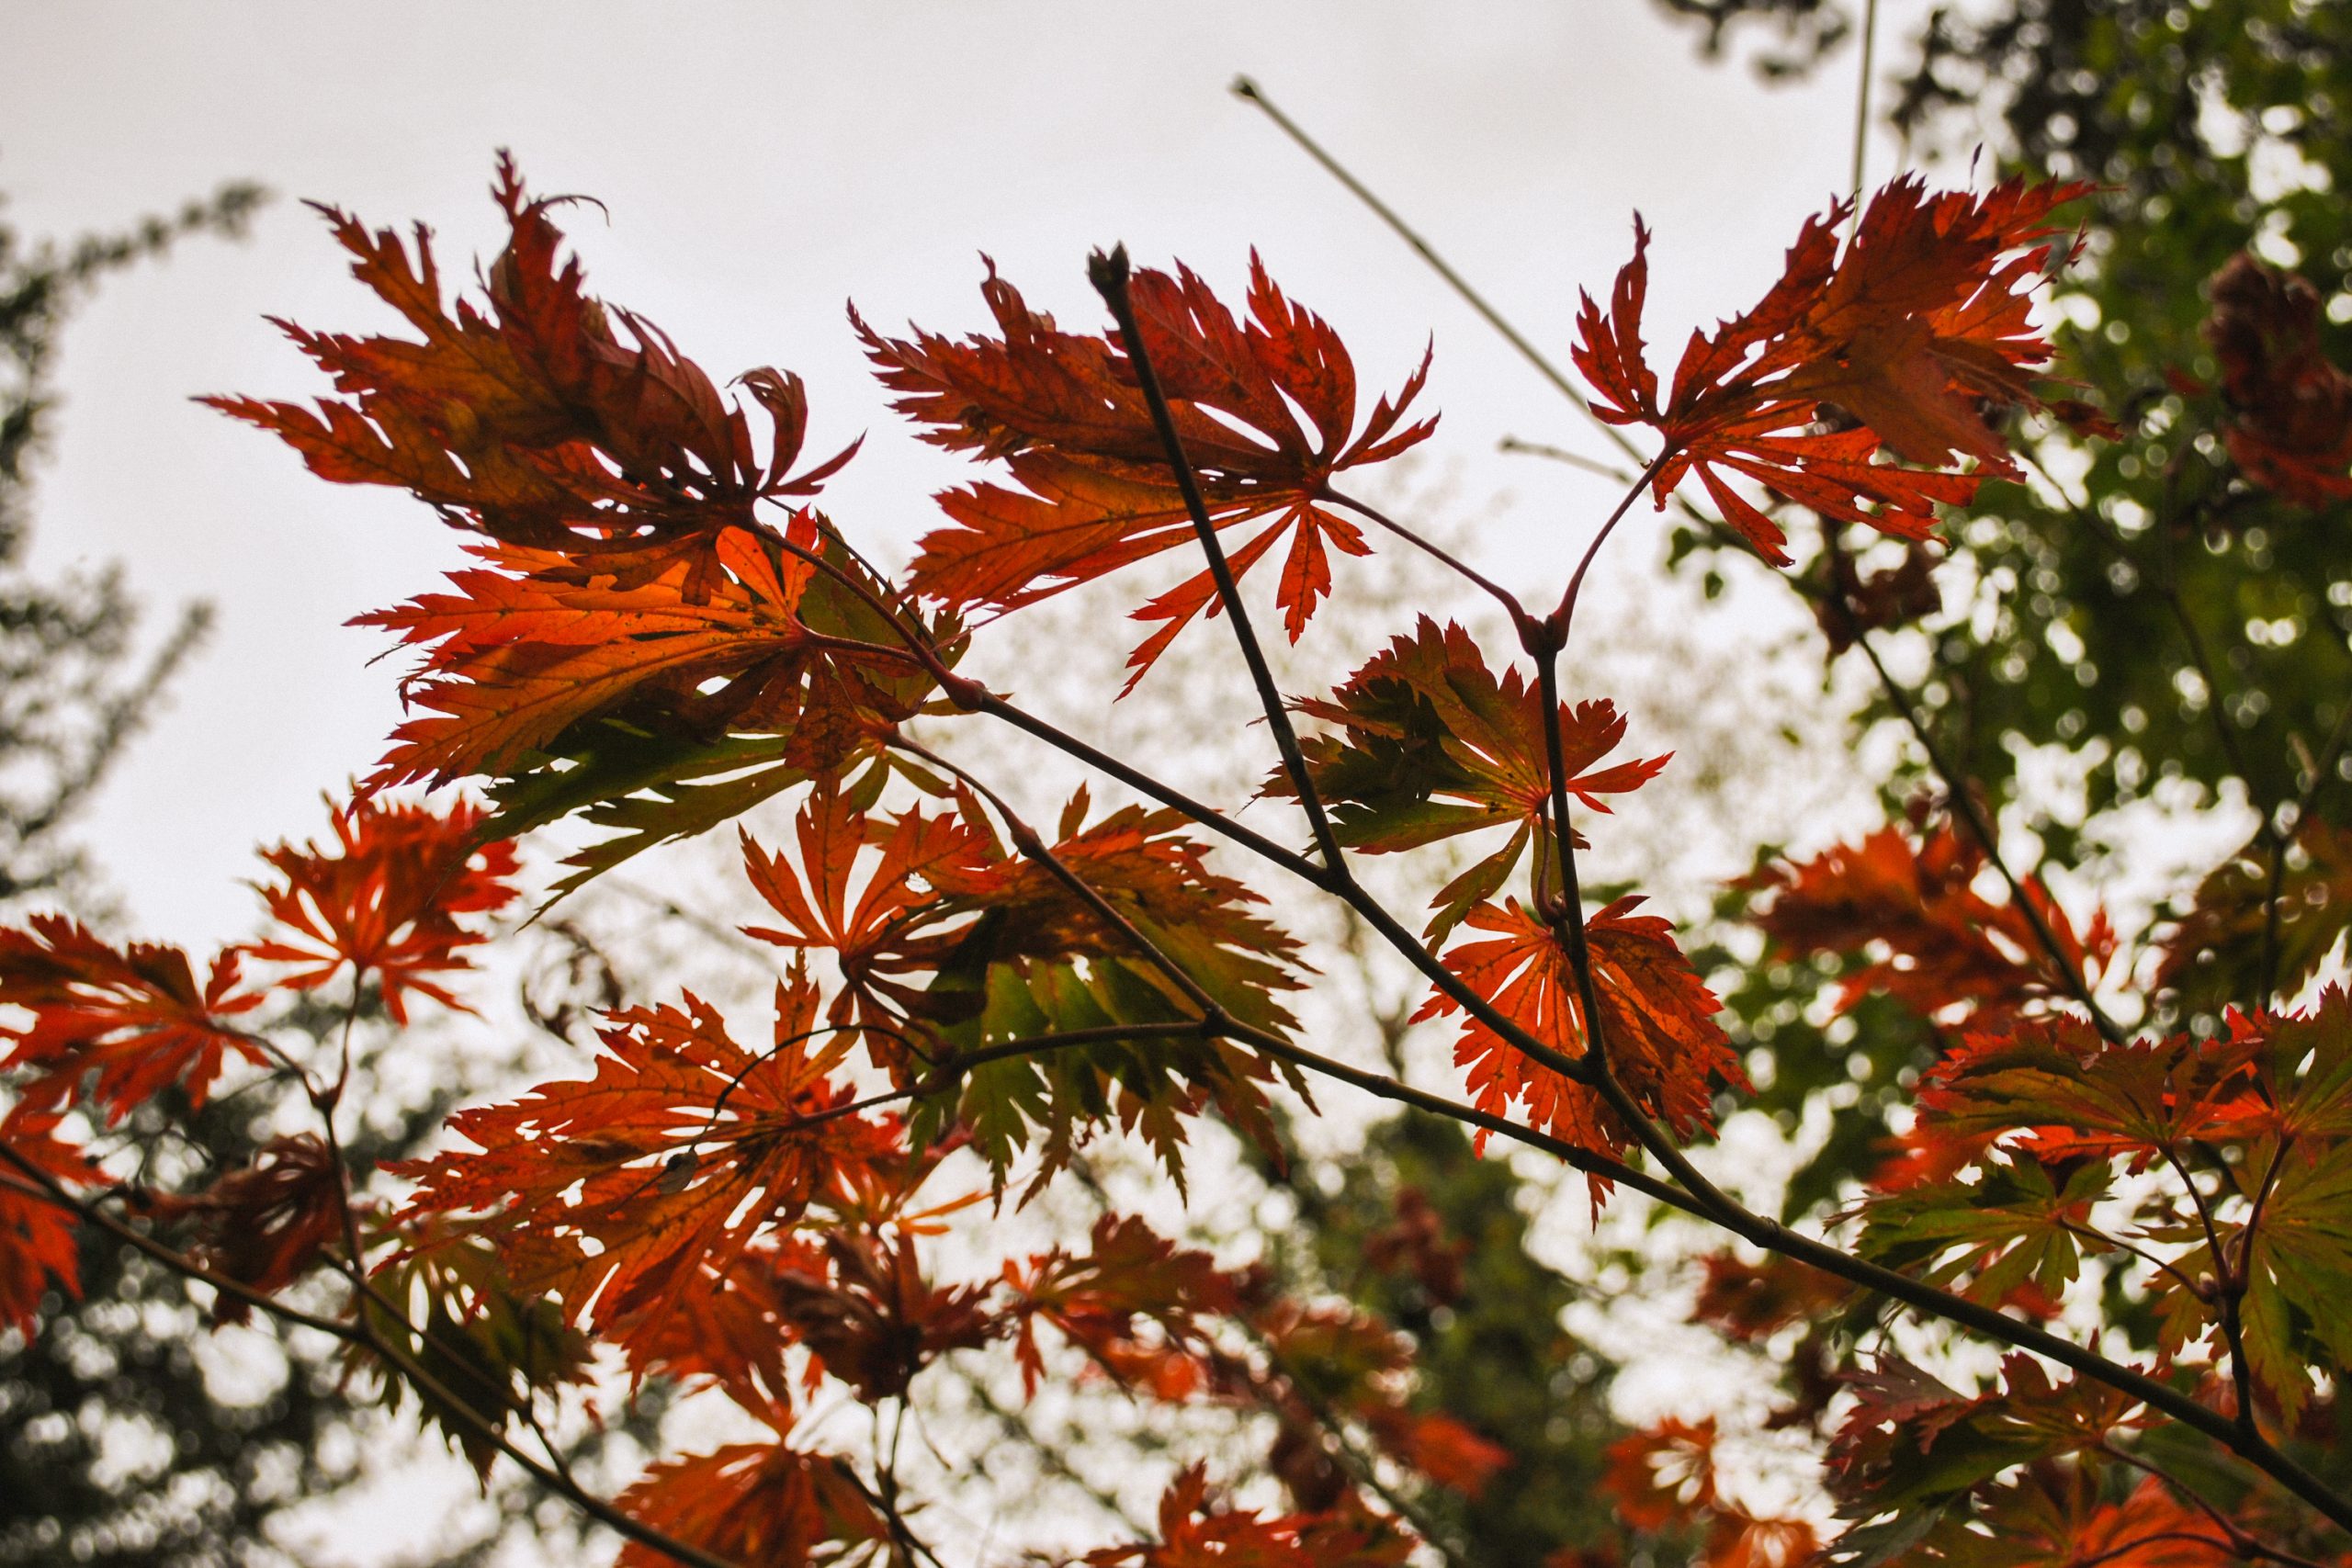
x: 1108, y: 273
x: 1862, y: 109
x: 2229, y: 1291
x: 1249, y: 92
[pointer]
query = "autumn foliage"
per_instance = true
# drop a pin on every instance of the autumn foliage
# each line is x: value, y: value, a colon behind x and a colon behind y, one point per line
x: 661, y: 631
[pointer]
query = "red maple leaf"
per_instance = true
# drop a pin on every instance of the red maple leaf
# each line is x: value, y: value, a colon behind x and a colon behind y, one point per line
x: 389, y: 904
x: 133, y: 1016
x: 1947, y: 947
x: 754, y: 1502
x: 2290, y: 408
x: 40, y: 1244
x: 1657, y: 1023
x: 267, y: 1223
x: 1098, y: 1299
x: 544, y: 418
x: 872, y: 1318
x: 1066, y: 415
x: 619, y: 1192
x: 1907, y: 333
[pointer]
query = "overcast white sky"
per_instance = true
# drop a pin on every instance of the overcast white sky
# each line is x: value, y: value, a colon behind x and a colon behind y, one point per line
x: 761, y: 162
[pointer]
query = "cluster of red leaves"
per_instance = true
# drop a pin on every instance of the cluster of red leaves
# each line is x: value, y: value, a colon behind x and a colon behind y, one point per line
x: 619, y: 1193
x: 2290, y: 409
x: 1144, y: 1313
x: 1196, y: 1532
x: 754, y: 1502
x: 1656, y: 1024
x: 633, y: 612
x: 1947, y: 947
x: 1416, y: 1245
x: 638, y: 645
x: 1155, y: 1318
x: 950, y: 942
x: 547, y: 420
x: 1909, y: 333
x: 110, y: 1028
x: 1067, y: 416
x: 2061, y: 1106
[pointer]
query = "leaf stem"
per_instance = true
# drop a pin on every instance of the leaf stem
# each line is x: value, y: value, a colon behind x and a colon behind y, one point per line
x: 1501, y: 595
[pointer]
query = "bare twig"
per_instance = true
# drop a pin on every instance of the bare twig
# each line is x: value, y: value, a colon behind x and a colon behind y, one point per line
x: 1108, y: 273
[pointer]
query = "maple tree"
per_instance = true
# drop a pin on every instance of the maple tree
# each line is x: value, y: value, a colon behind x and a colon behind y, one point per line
x: 665, y: 632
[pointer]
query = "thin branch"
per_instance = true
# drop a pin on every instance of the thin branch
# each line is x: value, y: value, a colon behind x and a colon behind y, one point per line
x: 1562, y: 455
x: 1108, y: 273
x: 1862, y: 109
x: 1965, y: 807
x: 1564, y: 614
x: 1249, y: 91
x: 2230, y: 1291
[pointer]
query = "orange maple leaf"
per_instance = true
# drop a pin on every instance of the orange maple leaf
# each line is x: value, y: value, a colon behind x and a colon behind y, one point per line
x: 1662, y: 1475
x: 41, y: 1242
x: 1066, y: 415
x: 546, y: 419
x: 753, y: 1503
x: 389, y: 903
x: 1947, y: 947
x: 123, y: 1021
x: 1657, y: 1023
x: 619, y: 1192
x: 537, y: 644
x: 1918, y: 322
